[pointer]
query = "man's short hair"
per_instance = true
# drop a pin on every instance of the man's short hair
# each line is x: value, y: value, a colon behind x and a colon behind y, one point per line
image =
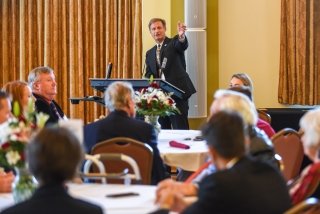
x: 54, y: 154
x: 225, y: 132
x: 35, y: 73
x: 3, y: 95
x: 153, y: 20
x: 117, y: 95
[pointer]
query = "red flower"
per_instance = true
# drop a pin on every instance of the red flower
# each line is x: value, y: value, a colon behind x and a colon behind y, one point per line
x: 154, y: 85
x: 5, y: 145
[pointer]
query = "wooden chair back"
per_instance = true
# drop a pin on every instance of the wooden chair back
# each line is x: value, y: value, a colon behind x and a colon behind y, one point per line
x: 142, y: 153
x: 308, y: 206
x: 263, y: 115
x: 288, y: 145
x: 102, y: 175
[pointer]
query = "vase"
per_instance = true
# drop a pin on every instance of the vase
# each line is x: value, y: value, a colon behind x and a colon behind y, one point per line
x: 153, y: 120
x: 23, y: 185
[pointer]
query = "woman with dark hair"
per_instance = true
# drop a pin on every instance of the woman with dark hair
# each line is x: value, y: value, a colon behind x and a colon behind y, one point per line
x: 54, y: 155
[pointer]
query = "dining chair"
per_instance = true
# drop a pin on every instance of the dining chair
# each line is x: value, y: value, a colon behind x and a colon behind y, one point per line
x: 102, y: 175
x: 308, y: 206
x: 288, y: 145
x: 142, y: 153
x: 263, y: 115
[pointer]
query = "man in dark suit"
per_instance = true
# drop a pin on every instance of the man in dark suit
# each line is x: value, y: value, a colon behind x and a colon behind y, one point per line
x: 240, y: 185
x: 166, y: 60
x: 53, y: 156
x: 120, y: 122
x: 44, y: 88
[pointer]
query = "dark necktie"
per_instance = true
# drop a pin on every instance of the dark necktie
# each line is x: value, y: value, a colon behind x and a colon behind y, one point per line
x: 158, y: 59
x: 55, y: 110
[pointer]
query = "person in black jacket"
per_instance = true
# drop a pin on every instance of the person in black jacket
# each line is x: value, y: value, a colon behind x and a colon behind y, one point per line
x: 44, y: 89
x: 240, y: 184
x: 53, y: 155
x: 166, y: 60
x: 120, y: 122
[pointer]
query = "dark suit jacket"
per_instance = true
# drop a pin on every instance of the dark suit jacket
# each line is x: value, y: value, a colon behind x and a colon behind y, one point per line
x: 175, y: 69
x: 119, y: 124
x: 248, y: 187
x: 53, y: 199
x: 43, y: 106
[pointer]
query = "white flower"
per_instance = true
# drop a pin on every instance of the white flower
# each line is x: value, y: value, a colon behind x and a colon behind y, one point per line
x: 13, y: 157
x: 41, y: 119
x: 162, y: 97
x: 13, y: 137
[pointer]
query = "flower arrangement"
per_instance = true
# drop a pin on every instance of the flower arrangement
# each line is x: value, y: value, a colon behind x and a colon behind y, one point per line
x: 17, y: 134
x: 152, y: 101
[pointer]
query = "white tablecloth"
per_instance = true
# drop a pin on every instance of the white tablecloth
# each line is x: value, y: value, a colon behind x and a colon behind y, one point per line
x: 187, y: 159
x: 96, y: 193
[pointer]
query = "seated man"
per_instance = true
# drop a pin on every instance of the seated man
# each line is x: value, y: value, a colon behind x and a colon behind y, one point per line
x: 44, y: 89
x: 120, y: 122
x: 53, y: 155
x: 240, y: 184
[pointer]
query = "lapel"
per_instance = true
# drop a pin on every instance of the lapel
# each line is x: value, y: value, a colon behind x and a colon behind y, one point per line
x: 154, y: 60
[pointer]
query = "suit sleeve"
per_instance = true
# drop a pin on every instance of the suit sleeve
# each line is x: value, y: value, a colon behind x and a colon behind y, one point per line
x: 208, y: 191
x: 180, y: 46
x: 158, y: 169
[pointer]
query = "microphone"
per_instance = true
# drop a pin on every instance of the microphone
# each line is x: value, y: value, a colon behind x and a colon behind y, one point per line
x: 164, y: 63
x: 109, y: 69
x: 143, y: 71
x: 163, y: 66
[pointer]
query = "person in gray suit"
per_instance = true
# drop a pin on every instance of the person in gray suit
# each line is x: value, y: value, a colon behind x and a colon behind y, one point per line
x: 53, y: 155
x: 166, y: 60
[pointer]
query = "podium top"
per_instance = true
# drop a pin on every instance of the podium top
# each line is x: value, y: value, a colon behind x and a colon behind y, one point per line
x: 101, y: 84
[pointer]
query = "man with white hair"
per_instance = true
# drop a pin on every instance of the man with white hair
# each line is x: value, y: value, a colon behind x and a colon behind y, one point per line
x: 44, y: 88
x: 121, y: 122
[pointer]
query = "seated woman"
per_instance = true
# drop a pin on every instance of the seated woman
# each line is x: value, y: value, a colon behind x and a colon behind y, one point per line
x: 243, y: 80
x: 307, y: 185
x: 20, y: 92
x: 53, y: 155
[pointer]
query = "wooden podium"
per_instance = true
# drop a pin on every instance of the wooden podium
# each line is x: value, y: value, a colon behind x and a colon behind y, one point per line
x: 101, y: 84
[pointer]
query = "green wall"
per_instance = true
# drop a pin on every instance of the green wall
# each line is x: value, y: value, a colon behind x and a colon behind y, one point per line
x: 177, y: 14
